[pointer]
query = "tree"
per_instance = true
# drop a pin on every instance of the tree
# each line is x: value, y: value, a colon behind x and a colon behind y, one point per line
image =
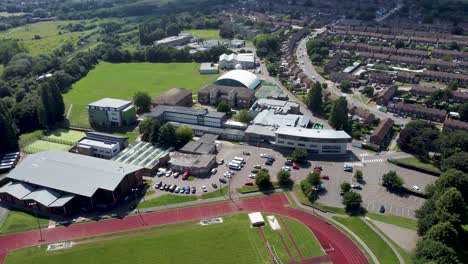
x: 314, y: 98
x: 284, y: 178
x: 368, y: 91
x: 443, y: 232
x: 243, y: 116
x: 167, y: 136
x: 458, y: 161
x: 451, y: 207
x: 358, y: 175
x: 345, y: 86
x: 452, y: 85
x: 426, y: 217
x: 308, y: 190
x: 262, y: 180
x: 267, y: 45
x: 184, y: 135
x: 226, y: 31
x: 149, y: 130
x: 314, y: 179
x: 399, y: 44
x: 223, y: 107
x: 339, y: 115
x: 352, y: 201
x: 50, y: 108
x: 418, y: 137
x: 345, y: 187
x: 431, y: 251
x: 142, y: 101
x: 8, y: 135
x: 392, y: 181
x: 299, y: 155
x: 453, y: 178
x: 172, y: 29
x: 463, y: 111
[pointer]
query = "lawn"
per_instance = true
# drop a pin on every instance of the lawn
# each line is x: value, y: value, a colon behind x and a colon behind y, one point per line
x: 381, y: 250
x: 216, y: 193
x: 395, y: 220
x: 51, y: 36
x: 204, y: 33
x: 416, y: 163
x: 300, y: 195
x: 18, y: 221
x: 167, y: 199
x: 122, y: 80
x: 65, y: 135
x: 231, y: 242
x: 59, y: 139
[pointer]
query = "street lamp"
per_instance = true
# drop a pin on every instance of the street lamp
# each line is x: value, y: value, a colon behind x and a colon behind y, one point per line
x: 134, y: 190
x: 34, y: 204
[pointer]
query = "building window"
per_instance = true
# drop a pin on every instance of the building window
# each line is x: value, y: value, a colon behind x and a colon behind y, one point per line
x: 301, y: 145
x: 280, y: 142
x: 290, y: 143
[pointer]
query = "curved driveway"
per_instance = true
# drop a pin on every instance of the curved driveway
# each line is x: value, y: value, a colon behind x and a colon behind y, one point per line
x: 339, y: 247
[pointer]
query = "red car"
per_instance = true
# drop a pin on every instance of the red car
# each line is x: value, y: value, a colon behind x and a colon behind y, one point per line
x: 185, y: 175
x: 248, y: 183
x: 317, y: 170
x: 325, y: 177
x: 295, y: 166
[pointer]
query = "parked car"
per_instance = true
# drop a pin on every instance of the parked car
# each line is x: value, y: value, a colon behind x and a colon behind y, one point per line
x: 256, y: 166
x: 213, y: 171
x: 356, y: 186
x: 288, y: 163
x: 255, y: 171
x: 318, y: 167
x: 246, y: 153
x: 168, y: 187
x: 268, y: 162
x: 177, y: 190
x: 286, y: 168
x: 263, y: 155
x: 158, y: 185
x: 163, y: 187
x: 220, y: 162
x: 248, y: 183
x: 168, y: 174
x: 295, y: 166
x: 185, y: 175
x: 176, y: 175
x: 325, y: 177
x: 416, y: 188
x: 227, y: 175
x: 194, y: 190
x: 173, y: 188
x: 265, y: 170
x: 187, y: 190
x: 204, y: 188
x: 182, y: 190
x: 252, y: 176
x: 214, y: 185
x: 317, y: 170
x: 222, y: 180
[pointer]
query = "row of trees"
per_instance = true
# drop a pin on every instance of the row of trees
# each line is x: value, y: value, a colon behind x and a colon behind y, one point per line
x: 166, y: 135
x: 317, y: 49
x: 420, y: 138
x: 441, y: 220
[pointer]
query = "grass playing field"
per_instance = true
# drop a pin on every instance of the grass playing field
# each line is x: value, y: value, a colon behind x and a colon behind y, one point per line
x: 42, y: 145
x: 122, y: 80
x: 51, y: 37
x: 17, y: 221
x: 233, y: 241
x: 204, y: 33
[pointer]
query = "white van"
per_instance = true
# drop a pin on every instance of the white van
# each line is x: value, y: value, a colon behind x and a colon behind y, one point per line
x: 237, y: 162
x: 234, y: 166
x: 239, y: 159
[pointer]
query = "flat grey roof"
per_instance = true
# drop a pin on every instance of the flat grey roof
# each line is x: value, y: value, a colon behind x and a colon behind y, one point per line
x: 261, y: 130
x: 70, y: 172
x: 161, y: 109
x: 270, y: 118
x: 18, y: 190
x: 43, y: 196
x: 313, y: 133
x: 110, y: 102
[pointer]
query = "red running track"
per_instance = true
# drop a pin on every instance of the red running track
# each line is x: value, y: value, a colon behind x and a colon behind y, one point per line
x: 345, y: 251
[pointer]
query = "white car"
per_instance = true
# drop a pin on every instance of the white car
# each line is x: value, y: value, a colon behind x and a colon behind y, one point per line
x: 213, y: 171
x: 176, y: 174
x: 416, y: 188
x: 168, y: 174
x: 263, y: 155
x: 220, y: 162
x: 252, y: 176
x: 286, y: 168
x: 204, y: 188
x: 227, y: 174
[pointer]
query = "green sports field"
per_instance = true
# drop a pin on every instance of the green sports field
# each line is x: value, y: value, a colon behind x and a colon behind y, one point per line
x: 232, y: 241
x: 122, y: 80
x: 204, y: 33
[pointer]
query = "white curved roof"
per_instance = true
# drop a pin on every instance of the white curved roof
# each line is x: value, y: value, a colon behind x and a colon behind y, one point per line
x: 247, y: 78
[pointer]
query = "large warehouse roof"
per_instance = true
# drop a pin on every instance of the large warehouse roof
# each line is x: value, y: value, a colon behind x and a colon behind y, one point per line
x: 72, y: 173
x: 239, y: 78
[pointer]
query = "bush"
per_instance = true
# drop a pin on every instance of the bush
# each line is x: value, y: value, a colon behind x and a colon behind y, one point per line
x: 262, y: 180
x: 345, y: 187
x: 392, y: 181
x: 352, y: 201
x: 284, y: 178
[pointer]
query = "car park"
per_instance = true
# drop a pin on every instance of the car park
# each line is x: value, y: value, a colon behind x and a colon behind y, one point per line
x: 255, y: 171
x: 288, y: 162
x: 325, y: 177
x: 168, y: 174
x: 268, y: 162
x: 263, y: 155
x: 248, y: 183
x: 256, y: 166
x: 356, y: 186
x: 222, y: 180
x: 177, y: 190
x: 214, y: 185
x: 348, y: 168
x: 204, y: 188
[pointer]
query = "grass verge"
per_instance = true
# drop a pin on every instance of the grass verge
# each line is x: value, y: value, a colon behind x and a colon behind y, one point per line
x: 17, y: 221
x: 216, y: 193
x: 414, y: 163
x: 381, y: 250
x: 300, y: 195
x: 167, y: 199
x: 395, y: 220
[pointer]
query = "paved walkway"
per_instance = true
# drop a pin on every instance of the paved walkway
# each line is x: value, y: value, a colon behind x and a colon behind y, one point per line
x: 403, y: 237
x: 344, y: 250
